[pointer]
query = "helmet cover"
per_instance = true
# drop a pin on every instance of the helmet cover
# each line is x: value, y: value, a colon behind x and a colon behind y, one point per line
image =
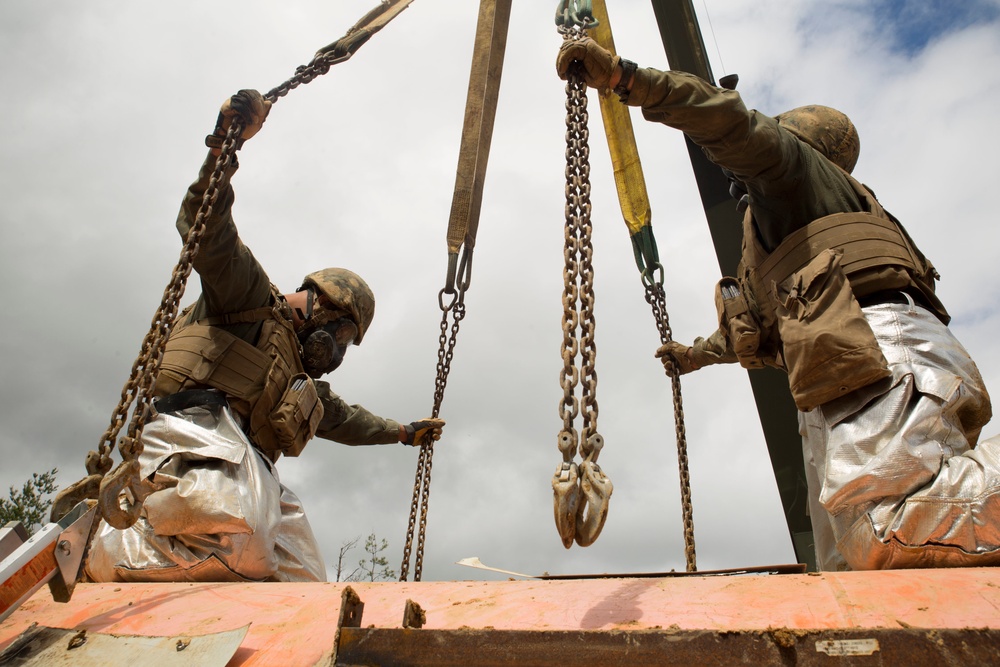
x: 827, y: 130
x: 346, y: 291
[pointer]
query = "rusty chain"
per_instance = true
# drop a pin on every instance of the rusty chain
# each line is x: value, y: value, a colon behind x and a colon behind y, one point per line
x: 656, y: 298
x: 422, y: 479
x: 580, y: 492
x: 139, y: 388
x: 141, y: 383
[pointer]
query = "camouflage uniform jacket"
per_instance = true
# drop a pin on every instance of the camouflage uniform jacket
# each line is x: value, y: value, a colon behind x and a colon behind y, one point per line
x: 789, y: 183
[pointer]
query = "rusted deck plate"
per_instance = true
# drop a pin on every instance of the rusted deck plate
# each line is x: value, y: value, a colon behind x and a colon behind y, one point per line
x: 296, y: 624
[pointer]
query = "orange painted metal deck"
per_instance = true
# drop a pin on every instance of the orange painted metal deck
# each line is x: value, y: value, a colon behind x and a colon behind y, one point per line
x: 297, y: 624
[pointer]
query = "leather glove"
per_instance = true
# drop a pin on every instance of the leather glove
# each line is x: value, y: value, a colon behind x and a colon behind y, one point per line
x: 247, y: 105
x: 415, y: 431
x: 598, y: 63
x: 703, y: 352
x: 679, y: 355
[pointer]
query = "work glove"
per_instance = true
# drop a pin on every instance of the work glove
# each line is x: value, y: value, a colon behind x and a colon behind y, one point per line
x: 703, y: 352
x: 598, y: 63
x: 679, y: 355
x: 415, y: 431
x: 247, y: 105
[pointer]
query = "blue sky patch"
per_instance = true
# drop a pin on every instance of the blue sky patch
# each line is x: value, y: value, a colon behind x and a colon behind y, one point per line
x: 911, y: 24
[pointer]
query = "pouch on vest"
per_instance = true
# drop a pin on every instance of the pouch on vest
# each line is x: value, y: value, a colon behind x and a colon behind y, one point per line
x: 738, y: 323
x: 297, y: 415
x: 829, y: 348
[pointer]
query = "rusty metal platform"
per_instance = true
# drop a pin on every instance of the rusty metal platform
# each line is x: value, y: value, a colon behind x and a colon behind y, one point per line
x: 917, y: 616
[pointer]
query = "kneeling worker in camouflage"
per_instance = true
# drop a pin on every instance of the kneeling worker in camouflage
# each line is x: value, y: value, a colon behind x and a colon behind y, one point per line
x: 832, y: 290
x: 237, y: 388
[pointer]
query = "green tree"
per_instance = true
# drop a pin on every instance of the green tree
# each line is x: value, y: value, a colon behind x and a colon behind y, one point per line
x: 29, y: 505
x: 375, y: 567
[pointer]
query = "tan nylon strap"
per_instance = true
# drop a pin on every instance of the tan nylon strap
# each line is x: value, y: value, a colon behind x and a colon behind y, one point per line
x: 367, y: 25
x: 477, y: 133
x: 865, y: 239
x: 244, y: 317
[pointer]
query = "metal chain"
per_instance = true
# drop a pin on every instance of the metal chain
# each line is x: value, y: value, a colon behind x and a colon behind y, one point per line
x: 141, y: 383
x: 657, y: 300
x: 580, y: 492
x: 422, y: 479
x: 319, y: 66
x: 578, y: 274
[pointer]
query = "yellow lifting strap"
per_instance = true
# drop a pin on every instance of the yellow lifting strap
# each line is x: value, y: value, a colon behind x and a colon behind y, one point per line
x: 629, y: 179
x: 634, y: 202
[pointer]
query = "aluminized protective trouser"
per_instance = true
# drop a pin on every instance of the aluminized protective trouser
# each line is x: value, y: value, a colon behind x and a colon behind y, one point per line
x: 222, y: 516
x: 896, y: 479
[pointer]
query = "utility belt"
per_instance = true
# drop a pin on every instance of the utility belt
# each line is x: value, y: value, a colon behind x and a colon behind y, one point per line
x: 893, y: 296
x: 190, y: 398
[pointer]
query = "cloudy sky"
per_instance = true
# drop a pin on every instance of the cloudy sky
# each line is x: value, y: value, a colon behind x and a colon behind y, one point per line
x: 108, y: 105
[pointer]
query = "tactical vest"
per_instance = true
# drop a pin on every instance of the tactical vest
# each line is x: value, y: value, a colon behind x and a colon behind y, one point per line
x: 875, y: 254
x: 265, y: 383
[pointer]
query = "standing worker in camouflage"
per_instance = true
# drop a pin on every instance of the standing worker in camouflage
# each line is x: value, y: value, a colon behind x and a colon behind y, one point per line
x: 237, y: 388
x: 832, y: 290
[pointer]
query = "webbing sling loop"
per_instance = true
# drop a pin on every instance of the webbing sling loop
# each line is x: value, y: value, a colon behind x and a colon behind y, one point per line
x: 575, y: 14
x: 647, y: 257
x: 362, y: 31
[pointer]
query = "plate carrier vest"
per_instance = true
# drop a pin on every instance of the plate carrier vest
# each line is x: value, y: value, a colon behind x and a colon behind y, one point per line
x: 878, y: 255
x: 266, y: 384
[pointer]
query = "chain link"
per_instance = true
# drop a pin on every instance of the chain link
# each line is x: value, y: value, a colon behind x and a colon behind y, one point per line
x: 578, y: 274
x: 422, y: 479
x: 656, y: 298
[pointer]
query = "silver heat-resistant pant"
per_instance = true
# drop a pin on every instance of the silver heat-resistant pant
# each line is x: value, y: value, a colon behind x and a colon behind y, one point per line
x: 896, y: 479
x: 222, y: 516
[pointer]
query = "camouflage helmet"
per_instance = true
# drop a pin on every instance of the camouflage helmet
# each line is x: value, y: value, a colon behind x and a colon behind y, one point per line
x: 346, y: 291
x: 827, y: 130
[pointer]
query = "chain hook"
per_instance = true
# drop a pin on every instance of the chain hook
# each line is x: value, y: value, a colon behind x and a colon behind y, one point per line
x: 566, y: 500
x: 116, y: 508
x: 596, y: 489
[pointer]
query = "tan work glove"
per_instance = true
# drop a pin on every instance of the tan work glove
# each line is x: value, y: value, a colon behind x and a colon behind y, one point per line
x: 414, y: 432
x: 598, y: 63
x: 247, y: 105
x: 679, y: 355
x: 703, y: 352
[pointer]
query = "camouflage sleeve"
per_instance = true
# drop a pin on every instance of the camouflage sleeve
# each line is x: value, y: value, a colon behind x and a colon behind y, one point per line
x: 741, y: 140
x: 352, y: 424
x: 232, y: 279
x: 789, y: 184
x: 713, y: 350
